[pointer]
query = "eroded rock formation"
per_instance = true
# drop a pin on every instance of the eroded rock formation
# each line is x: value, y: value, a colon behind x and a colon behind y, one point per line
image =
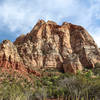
x: 67, y: 47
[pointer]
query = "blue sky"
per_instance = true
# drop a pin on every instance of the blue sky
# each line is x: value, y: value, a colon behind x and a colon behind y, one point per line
x: 19, y: 16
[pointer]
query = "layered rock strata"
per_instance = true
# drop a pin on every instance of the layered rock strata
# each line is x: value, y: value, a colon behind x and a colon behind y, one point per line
x: 66, y: 47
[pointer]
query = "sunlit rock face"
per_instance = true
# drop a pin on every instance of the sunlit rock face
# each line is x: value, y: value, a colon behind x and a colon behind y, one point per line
x: 9, y: 57
x: 66, y: 47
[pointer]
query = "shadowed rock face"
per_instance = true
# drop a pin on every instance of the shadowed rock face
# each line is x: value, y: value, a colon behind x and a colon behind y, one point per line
x: 67, y: 47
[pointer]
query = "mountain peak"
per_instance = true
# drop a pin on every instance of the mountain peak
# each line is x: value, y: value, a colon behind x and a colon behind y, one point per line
x: 41, y: 21
x: 51, y: 22
x: 67, y: 47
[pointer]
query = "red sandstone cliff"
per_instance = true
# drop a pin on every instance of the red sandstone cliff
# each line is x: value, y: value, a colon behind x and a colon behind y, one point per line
x: 67, y: 47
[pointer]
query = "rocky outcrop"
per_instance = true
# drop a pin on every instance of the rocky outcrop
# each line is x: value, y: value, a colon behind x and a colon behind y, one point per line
x: 11, y: 61
x: 9, y: 57
x: 72, y: 63
x: 67, y: 47
x: 84, y: 46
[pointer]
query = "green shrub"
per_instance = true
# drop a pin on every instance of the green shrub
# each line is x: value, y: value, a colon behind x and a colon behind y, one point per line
x: 97, y: 65
x: 89, y: 74
x: 64, y: 85
x: 96, y: 70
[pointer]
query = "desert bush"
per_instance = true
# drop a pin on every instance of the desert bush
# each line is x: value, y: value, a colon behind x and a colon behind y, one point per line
x: 64, y: 85
x: 97, y: 65
x: 96, y: 70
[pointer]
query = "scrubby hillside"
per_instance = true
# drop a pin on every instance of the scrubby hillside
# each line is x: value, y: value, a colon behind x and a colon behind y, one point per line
x: 52, y: 62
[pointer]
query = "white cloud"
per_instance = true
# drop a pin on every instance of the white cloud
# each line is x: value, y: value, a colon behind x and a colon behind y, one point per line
x: 95, y: 32
x: 22, y: 15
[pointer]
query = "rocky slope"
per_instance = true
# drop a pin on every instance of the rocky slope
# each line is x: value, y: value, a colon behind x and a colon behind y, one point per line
x: 67, y: 47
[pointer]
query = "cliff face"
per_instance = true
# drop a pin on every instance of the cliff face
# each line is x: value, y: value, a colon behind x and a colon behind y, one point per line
x: 67, y: 47
x: 10, y: 60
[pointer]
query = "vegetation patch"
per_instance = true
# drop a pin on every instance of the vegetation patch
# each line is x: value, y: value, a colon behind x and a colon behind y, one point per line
x: 53, y: 85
